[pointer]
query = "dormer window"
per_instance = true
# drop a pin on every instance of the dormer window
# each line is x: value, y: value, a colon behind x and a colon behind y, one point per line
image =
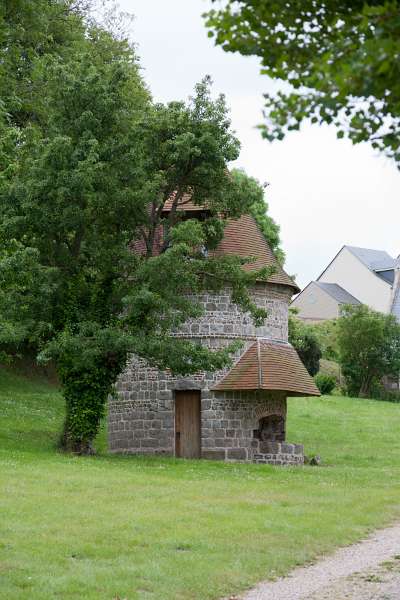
x: 386, y: 275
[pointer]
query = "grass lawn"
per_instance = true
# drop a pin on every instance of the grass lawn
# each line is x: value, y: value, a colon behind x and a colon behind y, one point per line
x: 111, y: 527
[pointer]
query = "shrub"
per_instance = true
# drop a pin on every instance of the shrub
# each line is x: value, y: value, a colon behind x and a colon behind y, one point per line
x: 380, y: 392
x: 369, y: 348
x: 330, y: 367
x: 326, y: 334
x: 305, y: 343
x: 325, y: 383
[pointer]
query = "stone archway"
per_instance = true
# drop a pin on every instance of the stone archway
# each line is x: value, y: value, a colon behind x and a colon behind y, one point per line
x: 272, y: 429
x: 270, y: 418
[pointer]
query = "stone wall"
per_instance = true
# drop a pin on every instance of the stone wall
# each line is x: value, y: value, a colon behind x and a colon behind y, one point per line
x: 228, y: 421
x: 279, y: 453
x: 222, y: 318
x: 141, y: 418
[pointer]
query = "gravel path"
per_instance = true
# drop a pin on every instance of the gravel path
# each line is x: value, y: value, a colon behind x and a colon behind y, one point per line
x: 368, y: 570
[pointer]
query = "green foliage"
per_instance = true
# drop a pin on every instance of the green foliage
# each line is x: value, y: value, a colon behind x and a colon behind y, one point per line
x: 326, y: 334
x: 25, y: 287
x: 94, y: 267
x: 254, y: 191
x: 325, y: 383
x: 30, y: 32
x: 340, y: 60
x: 186, y: 148
x: 380, y: 392
x: 369, y: 347
x: 89, y: 360
x: 305, y: 343
x: 330, y: 367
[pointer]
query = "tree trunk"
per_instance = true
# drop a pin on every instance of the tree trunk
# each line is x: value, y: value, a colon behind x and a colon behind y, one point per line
x: 85, y: 392
x: 84, y: 409
x: 365, y: 387
x: 67, y: 443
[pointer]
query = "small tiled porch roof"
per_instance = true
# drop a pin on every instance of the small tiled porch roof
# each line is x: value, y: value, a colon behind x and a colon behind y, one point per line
x: 269, y: 365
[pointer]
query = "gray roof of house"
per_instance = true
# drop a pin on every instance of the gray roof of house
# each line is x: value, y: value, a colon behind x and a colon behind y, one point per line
x: 339, y: 294
x: 375, y: 260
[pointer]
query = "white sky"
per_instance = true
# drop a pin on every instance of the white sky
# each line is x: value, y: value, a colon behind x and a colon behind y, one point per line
x: 323, y: 192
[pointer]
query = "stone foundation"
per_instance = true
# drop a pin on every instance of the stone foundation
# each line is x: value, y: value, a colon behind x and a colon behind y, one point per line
x: 276, y: 453
x: 229, y: 425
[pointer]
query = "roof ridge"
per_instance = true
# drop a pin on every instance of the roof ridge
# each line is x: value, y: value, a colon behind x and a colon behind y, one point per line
x: 324, y: 286
x: 365, y: 248
x: 369, y: 263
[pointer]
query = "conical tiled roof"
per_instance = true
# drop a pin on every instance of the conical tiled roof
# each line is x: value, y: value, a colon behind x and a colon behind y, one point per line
x: 269, y: 365
x: 242, y: 237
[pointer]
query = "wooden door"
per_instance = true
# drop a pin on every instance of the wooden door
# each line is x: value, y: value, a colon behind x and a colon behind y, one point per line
x: 187, y: 424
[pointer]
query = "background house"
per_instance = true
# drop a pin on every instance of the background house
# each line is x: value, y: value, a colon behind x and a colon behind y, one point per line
x: 354, y: 276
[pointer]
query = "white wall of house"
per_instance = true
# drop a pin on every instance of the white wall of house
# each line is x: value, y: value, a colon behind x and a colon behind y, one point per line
x: 315, y: 304
x: 349, y: 272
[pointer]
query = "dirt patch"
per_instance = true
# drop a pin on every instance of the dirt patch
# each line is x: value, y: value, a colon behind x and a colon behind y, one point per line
x: 382, y: 583
x: 368, y: 570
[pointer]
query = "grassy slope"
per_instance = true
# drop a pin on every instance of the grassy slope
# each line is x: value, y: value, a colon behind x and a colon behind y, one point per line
x: 124, y: 527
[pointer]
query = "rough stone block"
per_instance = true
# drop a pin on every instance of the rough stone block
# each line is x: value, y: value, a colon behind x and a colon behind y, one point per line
x: 237, y: 454
x: 151, y: 443
x: 287, y: 448
x: 208, y: 443
x: 270, y: 447
x: 221, y: 443
x: 219, y: 432
x: 213, y: 454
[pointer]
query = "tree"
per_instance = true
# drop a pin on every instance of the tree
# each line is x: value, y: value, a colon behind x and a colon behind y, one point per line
x: 89, y: 177
x: 30, y: 32
x: 326, y: 334
x: 305, y: 342
x: 339, y: 59
x: 23, y: 298
x: 369, y: 347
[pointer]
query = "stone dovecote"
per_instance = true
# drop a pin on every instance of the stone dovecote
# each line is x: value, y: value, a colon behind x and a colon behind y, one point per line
x: 216, y: 419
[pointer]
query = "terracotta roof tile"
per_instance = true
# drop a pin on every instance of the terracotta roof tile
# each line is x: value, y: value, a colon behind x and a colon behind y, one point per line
x: 268, y: 365
x: 185, y: 203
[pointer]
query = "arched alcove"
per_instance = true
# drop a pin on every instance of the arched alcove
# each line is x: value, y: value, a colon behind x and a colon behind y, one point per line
x: 271, y: 428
